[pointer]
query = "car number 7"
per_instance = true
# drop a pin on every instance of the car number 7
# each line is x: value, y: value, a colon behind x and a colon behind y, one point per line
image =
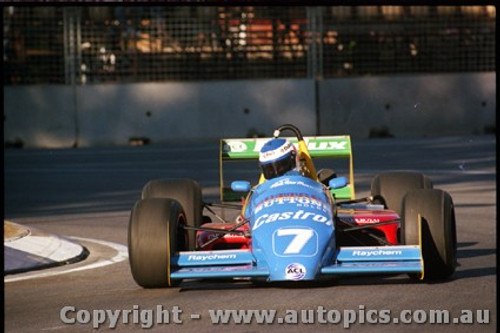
x: 300, y: 239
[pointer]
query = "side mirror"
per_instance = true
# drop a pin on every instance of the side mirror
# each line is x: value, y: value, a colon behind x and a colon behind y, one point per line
x: 337, y: 183
x: 240, y: 186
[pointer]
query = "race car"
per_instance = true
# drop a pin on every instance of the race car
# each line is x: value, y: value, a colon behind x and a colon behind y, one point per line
x: 308, y: 226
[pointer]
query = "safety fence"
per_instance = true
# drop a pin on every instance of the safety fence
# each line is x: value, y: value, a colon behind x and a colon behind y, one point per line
x: 125, y: 44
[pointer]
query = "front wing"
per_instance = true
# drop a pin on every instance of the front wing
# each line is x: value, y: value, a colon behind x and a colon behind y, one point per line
x: 347, y: 261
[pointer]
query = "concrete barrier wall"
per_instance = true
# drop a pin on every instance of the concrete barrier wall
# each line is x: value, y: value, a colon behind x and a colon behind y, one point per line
x: 426, y: 105
x: 62, y: 116
x: 39, y: 116
x: 111, y: 114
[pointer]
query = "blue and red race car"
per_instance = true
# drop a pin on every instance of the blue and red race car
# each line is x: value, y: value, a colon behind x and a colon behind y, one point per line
x: 302, y: 227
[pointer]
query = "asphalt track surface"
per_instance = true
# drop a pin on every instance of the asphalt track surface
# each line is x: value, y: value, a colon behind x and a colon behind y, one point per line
x: 88, y: 193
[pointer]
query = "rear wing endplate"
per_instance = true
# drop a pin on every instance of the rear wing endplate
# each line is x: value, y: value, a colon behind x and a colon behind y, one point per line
x: 318, y: 147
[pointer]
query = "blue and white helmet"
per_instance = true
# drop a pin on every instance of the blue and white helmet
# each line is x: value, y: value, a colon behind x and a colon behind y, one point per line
x: 276, y: 157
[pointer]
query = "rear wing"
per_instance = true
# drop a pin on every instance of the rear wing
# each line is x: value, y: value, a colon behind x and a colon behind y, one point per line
x: 318, y: 147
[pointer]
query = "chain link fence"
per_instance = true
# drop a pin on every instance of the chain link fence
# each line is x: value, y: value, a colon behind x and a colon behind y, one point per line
x: 120, y: 44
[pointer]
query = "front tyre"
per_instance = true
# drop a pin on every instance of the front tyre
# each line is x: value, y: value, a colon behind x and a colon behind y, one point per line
x: 438, y: 230
x: 391, y: 187
x: 155, y: 233
x: 187, y: 192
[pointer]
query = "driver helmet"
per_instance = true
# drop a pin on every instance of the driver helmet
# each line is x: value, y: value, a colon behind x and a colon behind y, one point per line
x: 277, y: 157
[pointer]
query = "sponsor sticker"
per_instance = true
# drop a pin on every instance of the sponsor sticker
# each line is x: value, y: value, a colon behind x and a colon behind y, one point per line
x: 370, y: 253
x: 365, y: 220
x: 327, y: 145
x: 297, y: 215
x: 295, y: 272
x: 235, y: 146
x: 302, y: 200
x: 287, y: 181
x: 214, y: 256
x: 251, y: 147
x: 277, y: 153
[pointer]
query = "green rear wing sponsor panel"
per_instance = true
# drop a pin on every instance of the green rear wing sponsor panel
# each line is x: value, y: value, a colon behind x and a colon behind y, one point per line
x: 318, y: 147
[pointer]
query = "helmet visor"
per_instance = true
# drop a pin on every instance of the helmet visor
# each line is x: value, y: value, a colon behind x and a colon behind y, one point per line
x: 278, y: 168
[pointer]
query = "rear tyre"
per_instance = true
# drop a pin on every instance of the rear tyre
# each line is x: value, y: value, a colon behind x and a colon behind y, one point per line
x: 187, y: 192
x: 155, y: 233
x: 439, y: 239
x: 390, y: 188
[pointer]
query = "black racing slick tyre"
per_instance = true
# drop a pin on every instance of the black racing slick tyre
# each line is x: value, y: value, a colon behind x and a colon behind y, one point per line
x: 187, y: 192
x: 438, y: 230
x: 390, y: 188
x: 155, y: 233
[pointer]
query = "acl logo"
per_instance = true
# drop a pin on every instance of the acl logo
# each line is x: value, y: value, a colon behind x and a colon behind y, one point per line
x: 295, y: 271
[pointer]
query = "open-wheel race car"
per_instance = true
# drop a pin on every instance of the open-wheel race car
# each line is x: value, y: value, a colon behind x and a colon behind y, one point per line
x: 303, y: 225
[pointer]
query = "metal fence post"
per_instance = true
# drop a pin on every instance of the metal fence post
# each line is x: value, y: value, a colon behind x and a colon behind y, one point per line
x: 72, y: 41
x: 315, y: 56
